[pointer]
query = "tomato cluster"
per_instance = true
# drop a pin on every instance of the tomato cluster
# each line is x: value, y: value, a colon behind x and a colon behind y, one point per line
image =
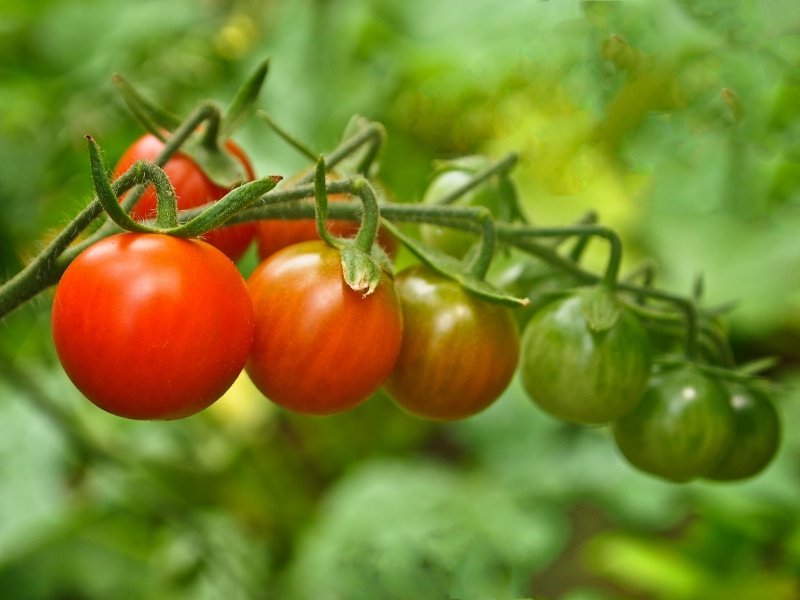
x: 678, y: 421
x: 150, y: 326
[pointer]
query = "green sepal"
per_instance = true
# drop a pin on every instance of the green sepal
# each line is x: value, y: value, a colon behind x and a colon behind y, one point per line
x: 452, y: 268
x: 600, y: 307
x: 364, y: 160
x: 152, y: 117
x: 218, y: 213
x: 362, y: 272
x: 218, y: 165
x: 242, y: 104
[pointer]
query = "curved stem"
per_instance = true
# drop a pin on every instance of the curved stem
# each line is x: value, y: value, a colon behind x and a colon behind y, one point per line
x: 287, y: 137
x: 321, y: 203
x: 685, y: 305
x: 615, y: 255
x: 478, y: 262
x: 370, y: 134
x: 210, y: 138
x: 139, y: 172
x: 502, y: 165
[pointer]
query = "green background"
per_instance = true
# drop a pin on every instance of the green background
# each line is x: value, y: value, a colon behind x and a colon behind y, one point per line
x: 678, y: 121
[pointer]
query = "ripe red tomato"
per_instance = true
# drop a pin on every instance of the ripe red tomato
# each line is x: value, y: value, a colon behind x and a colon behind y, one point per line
x: 682, y: 428
x: 193, y: 188
x: 274, y: 234
x: 319, y: 348
x: 149, y: 326
x: 459, y: 352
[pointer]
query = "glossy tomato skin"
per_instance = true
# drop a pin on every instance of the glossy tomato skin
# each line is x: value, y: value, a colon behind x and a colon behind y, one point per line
x: 320, y: 348
x: 193, y: 188
x: 459, y: 352
x: 580, y: 375
x: 682, y: 428
x: 757, y: 433
x: 149, y: 326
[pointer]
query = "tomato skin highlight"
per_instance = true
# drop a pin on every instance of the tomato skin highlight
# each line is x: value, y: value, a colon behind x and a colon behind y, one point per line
x: 682, y: 428
x: 320, y: 348
x: 579, y: 375
x: 149, y: 326
x: 459, y: 352
x: 192, y: 187
x: 757, y: 434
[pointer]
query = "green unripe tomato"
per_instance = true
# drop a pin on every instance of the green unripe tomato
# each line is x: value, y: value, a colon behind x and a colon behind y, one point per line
x: 496, y: 194
x: 682, y: 428
x: 577, y: 374
x: 757, y: 433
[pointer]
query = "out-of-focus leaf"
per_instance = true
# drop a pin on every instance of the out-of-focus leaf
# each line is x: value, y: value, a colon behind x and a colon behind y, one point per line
x: 415, y: 530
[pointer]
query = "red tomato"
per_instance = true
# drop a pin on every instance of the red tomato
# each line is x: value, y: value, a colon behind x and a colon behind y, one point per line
x: 193, y: 189
x: 149, y: 326
x: 319, y: 348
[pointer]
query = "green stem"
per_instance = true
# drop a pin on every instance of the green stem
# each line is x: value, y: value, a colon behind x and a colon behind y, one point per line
x: 370, y: 216
x: 370, y: 134
x: 686, y: 305
x: 141, y: 171
x: 210, y: 138
x: 287, y: 137
x: 321, y: 203
x: 615, y: 255
x: 478, y: 262
x: 503, y: 165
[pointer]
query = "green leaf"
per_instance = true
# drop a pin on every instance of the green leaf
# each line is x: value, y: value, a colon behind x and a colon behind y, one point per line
x: 450, y: 267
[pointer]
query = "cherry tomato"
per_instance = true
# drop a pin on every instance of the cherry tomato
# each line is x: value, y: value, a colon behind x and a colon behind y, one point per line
x: 149, y: 326
x: 274, y: 234
x: 757, y: 433
x: 580, y: 375
x: 682, y: 428
x: 496, y: 194
x: 459, y: 352
x: 193, y: 188
x: 320, y: 348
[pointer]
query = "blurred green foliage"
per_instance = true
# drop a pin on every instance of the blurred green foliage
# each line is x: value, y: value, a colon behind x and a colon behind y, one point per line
x: 677, y: 120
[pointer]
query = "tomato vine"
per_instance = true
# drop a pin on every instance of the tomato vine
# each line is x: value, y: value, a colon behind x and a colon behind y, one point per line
x: 330, y: 328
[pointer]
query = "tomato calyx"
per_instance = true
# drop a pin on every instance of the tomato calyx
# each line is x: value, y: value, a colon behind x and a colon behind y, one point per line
x: 207, y: 146
x: 363, y: 261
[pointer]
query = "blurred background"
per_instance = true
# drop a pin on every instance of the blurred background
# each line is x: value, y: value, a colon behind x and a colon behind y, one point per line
x: 677, y: 120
